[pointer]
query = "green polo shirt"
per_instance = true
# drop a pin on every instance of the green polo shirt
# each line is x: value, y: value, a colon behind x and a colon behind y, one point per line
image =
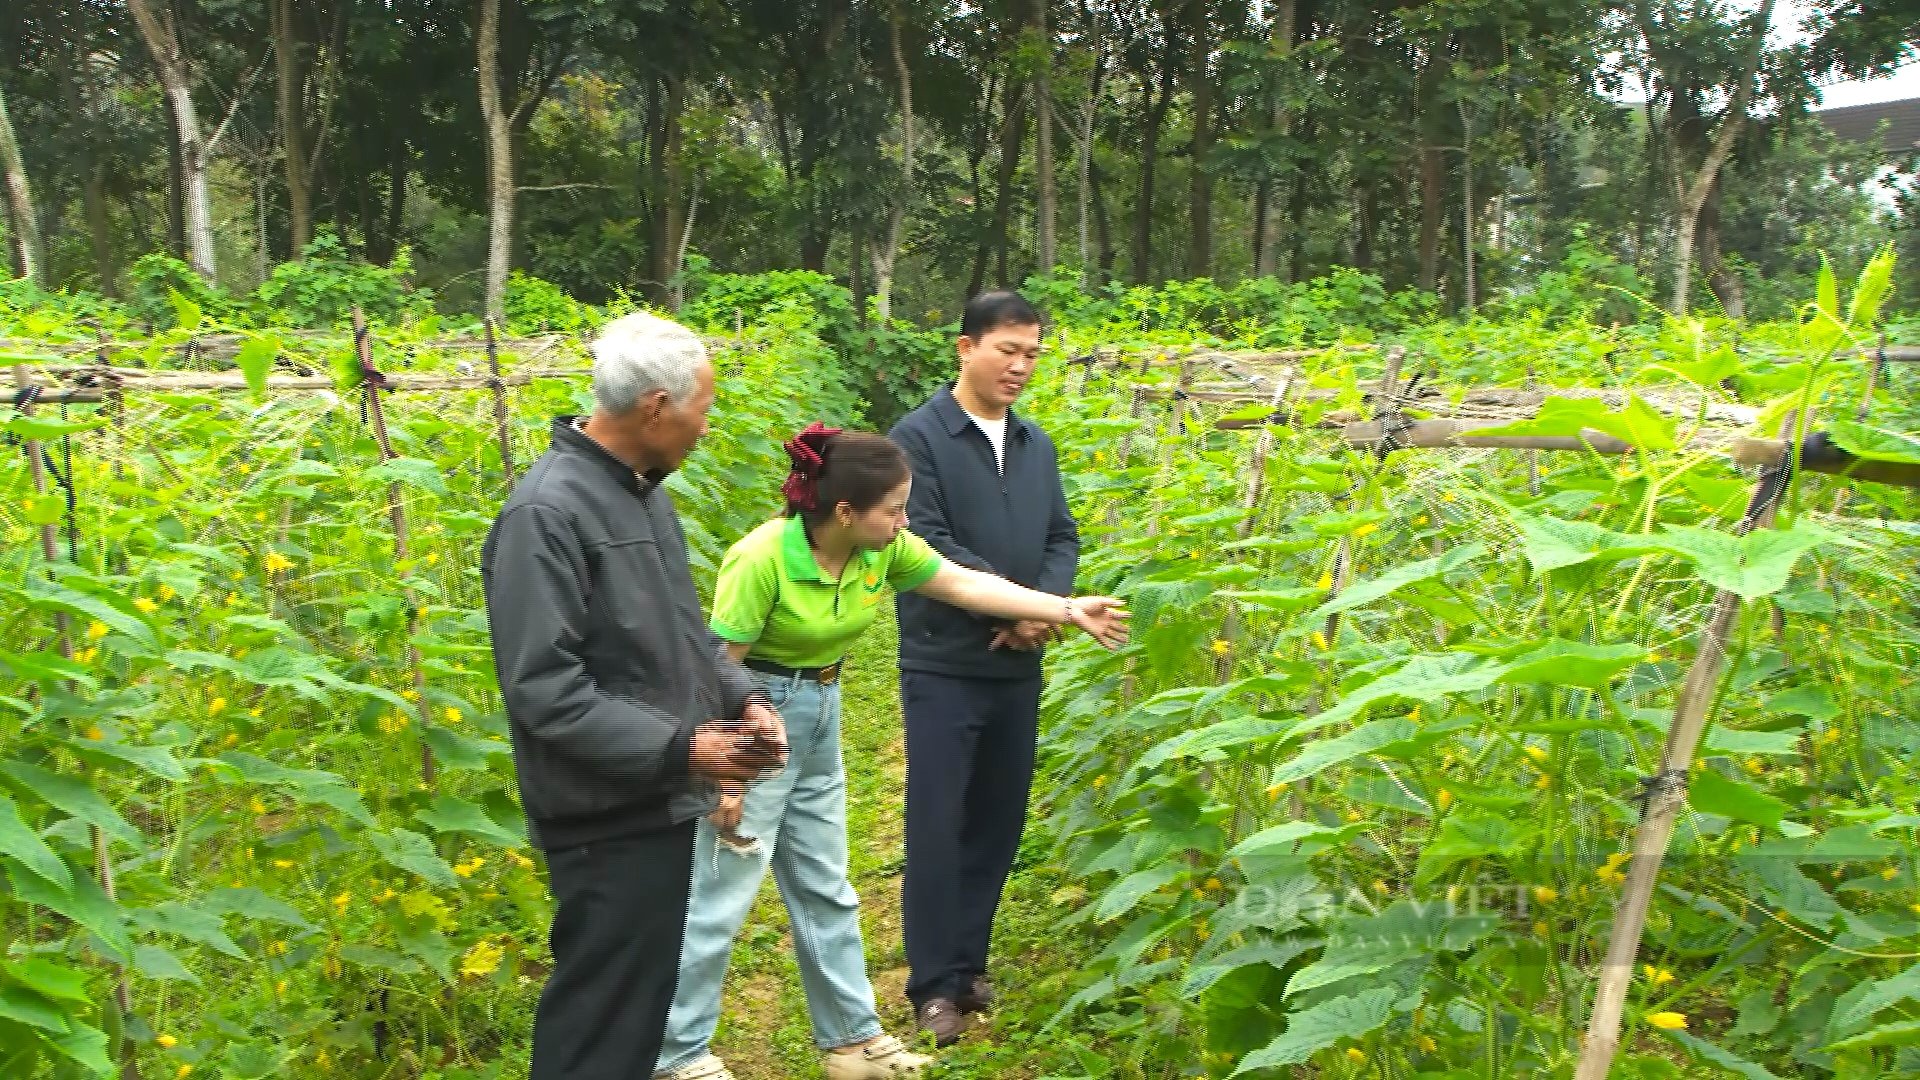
x: 773, y: 596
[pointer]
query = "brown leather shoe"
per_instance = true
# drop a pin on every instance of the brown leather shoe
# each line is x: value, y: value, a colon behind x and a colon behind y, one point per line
x: 942, y: 1018
x: 979, y: 996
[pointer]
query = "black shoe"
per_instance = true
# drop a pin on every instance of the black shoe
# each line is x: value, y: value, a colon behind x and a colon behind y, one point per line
x: 942, y: 1018
x: 979, y: 996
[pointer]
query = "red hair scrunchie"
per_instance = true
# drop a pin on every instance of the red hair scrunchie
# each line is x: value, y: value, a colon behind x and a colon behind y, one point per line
x: 807, y: 452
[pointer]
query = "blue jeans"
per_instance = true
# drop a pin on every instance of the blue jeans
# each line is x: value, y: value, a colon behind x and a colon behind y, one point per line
x: 799, y: 816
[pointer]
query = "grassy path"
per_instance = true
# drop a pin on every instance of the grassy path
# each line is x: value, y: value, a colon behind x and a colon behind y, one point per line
x: 764, y: 1034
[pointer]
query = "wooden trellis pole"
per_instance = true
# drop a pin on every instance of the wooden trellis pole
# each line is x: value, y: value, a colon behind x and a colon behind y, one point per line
x: 63, y: 637
x: 1250, y: 502
x: 1666, y: 796
x: 501, y: 415
x: 371, y: 381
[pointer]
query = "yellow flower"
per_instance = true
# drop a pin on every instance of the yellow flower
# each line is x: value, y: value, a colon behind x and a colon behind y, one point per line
x: 1754, y: 765
x: 1448, y: 496
x: 1354, y: 815
x: 393, y: 723
x: 96, y: 630
x: 165, y: 591
x: 256, y: 805
x: 1543, y: 894
x: 1100, y: 781
x: 167, y: 1042
x: 1356, y: 1055
x: 182, y: 1072
x: 1538, y: 754
x: 1222, y: 647
x: 1202, y: 932
x: 94, y: 734
x: 1443, y: 799
x: 519, y: 860
x: 276, y: 562
x: 86, y: 656
x: 1890, y: 873
x: 1541, y: 929
x: 467, y: 869
x: 1543, y: 783
x: 1319, y: 640
x: 232, y: 739
x: 1325, y: 582
x: 1274, y: 790
x: 432, y: 557
x: 146, y: 606
x: 284, y: 864
x: 1427, y: 1045
x: 233, y: 599
x: 1365, y: 530
x: 256, y: 712
x: 340, y: 902
x: 481, y: 960
x: 1419, y: 521
x: 1668, y: 1021
x: 451, y: 715
x: 1380, y: 887
x: 216, y: 706
x: 276, y: 948
x: 410, y: 694
x: 1213, y: 885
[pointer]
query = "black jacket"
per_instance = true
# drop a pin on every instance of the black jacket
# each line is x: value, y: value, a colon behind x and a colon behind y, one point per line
x: 1015, y: 525
x: 604, y: 658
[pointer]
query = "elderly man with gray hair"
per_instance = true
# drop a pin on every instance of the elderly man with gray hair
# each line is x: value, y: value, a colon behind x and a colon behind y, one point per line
x: 626, y: 714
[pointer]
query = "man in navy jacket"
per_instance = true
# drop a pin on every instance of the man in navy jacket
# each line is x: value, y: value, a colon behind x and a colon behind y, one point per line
x: 986, y: 494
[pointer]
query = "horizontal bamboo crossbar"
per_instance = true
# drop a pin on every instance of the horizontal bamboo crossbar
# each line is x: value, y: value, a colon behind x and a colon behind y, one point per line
x: 121, y: 380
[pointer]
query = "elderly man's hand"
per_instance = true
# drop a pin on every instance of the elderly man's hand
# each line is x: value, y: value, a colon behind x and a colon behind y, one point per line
x: 736, y: 752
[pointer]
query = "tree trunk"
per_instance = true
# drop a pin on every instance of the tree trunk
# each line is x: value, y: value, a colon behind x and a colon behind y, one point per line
x: 1089, y: 111
x: 24, y: 233
x: 1432, y: 170
x: 176, y: 188
x: 1046, y: 244
x: 1200, y: 178
x: 1364, y: 224
x: 982, y: 131
x: 500, y: 178
x: 1268, y: 235
x: 1158, y: 95
x: 669, y: 224
x: 99, y: 230
x: 290, y: 83
x: 1725, y: 284
x: 170, y: 64
x: 1102, y: 227
x: 1468, y: 231
x: 889, y: 249
x: 1012, y: 134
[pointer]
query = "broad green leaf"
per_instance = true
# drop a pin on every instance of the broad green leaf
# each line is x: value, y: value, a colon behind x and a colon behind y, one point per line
x: 1276, y: 954
x: 156, y: 760
x: 1366, y: 592
x: 157, y: 963
x: 1311, y: 836
x: 47, y: 428
x: 1714, y: 1054
x: 1851, y: 844
x: 1550, y: 543
x: 1324, y: 753
x: 19, y: 841
x: 1813, y: 702
x: 250, y: 903
x: 1407, y: 930
x: 1903, y: 1033
x: 1312, y: 1030
x: 1742, y: 743
x: 1235, y: 731
x: 431, y: 946
x: 1784, y: 886
x: 29, y: 1009
x: 71, y: 796
x: 1874, y: 444
x: 1135, y: 887
x: 1858, y: 1006
x: 1465, y: 836
x: 1826, y: 297
x: 84, y: 904
x: 415, y: 472
x: 412, y: 852
x: 1424, y: 678
x: 1711, y: 793
x: 1751, y: 566
x: 452, y: 750
x: 1570, y: 663
x: 375, y: 957
x: 201, y: 925
x: 255, y: 359
x: 1872, y: 290
x: 1708, y: 371
x: 187, y: 315
x: 449, y: 814
x: 86, y: 1045
x: 54, y: 597
x: 48, y: 979
x: 254, y: 1061
x: 1639, y: 424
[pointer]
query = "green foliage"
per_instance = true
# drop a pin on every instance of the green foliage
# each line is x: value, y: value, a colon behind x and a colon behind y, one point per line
x: 534, y: 306
x: 326, y: 284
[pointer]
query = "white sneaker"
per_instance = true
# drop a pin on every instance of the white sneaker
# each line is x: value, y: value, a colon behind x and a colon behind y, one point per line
x: 881, y: 1059
x: 706, y: 1068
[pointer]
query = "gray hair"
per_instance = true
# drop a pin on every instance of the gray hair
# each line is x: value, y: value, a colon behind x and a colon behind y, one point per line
x: 640, y: 353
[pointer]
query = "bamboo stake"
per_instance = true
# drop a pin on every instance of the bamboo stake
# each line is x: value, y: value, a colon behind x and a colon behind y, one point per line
x: 1666, y: 795
x: 500, y: 413
x: 1250, y: 502
x: 63, y: 634
x: 397, y: 516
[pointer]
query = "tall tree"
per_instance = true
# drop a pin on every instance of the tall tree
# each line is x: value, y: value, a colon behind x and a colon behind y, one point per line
x: 22, y: 218
x: 888, y: 251
x: 161, y: 34
x: 1046, y: 248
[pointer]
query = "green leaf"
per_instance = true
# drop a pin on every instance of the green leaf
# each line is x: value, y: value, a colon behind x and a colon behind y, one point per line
x: 47, y: 595
x: 1813, y: 702
x: 1904, y: 1033
x: 1826, y: 295
x: 1311, y: 836
x: 1709, y: 1052
x: 157, y: 963
x: 1785, y: 887
x: 1872, y: 290
x: 186, y: 314
x: 47, y: 428
x: 48, y: 979
x: 254, y: 1061
x: 1570, y: 663
x: 255, y: 359
x: 1873, y: 443
x: 1274, y: 954
x: 415, y: 472
x: 1325, y: 753
x: 1709, y: 371
x: 156, y: 760
x: 1464, y: 836
x: 87, y: 1046
x: 1314, y: 1029
x: 19, y: 841
x: 71, y: 796
x: 1711, y: 793
x: 84, y: 904
x: 1750, y: 566
x: 1742, y: 743
x: 203, y: 926
x: 250, y: 903
x: 24, y: 1008
x: 431, y: 946
x: 449, y: 815
x: 1639, y: 424
x: 1424, y: 678
x: 454, y: 751
x: 1550, y: 543
x: 1857, y: 1007
x: 1137, y: 886
x: 1366, y: 592
x: 414, y: 853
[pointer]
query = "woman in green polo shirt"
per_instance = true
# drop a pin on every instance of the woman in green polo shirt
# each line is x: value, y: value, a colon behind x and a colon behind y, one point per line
x: 792, y: 596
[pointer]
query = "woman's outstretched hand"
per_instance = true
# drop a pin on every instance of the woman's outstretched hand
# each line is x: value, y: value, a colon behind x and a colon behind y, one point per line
x: 1103, y: 617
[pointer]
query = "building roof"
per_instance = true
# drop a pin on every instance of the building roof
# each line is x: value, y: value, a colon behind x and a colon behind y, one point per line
x: 1861, y: 123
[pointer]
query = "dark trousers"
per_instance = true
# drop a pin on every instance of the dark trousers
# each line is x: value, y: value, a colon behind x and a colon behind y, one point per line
x: 970, y: 745
x: 620, y: 916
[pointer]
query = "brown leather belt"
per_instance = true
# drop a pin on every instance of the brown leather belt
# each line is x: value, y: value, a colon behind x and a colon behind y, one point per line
x: 825, y: 676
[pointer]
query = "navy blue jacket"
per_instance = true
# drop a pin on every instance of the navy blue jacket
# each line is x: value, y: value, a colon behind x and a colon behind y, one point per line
x: 1016, y: 526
